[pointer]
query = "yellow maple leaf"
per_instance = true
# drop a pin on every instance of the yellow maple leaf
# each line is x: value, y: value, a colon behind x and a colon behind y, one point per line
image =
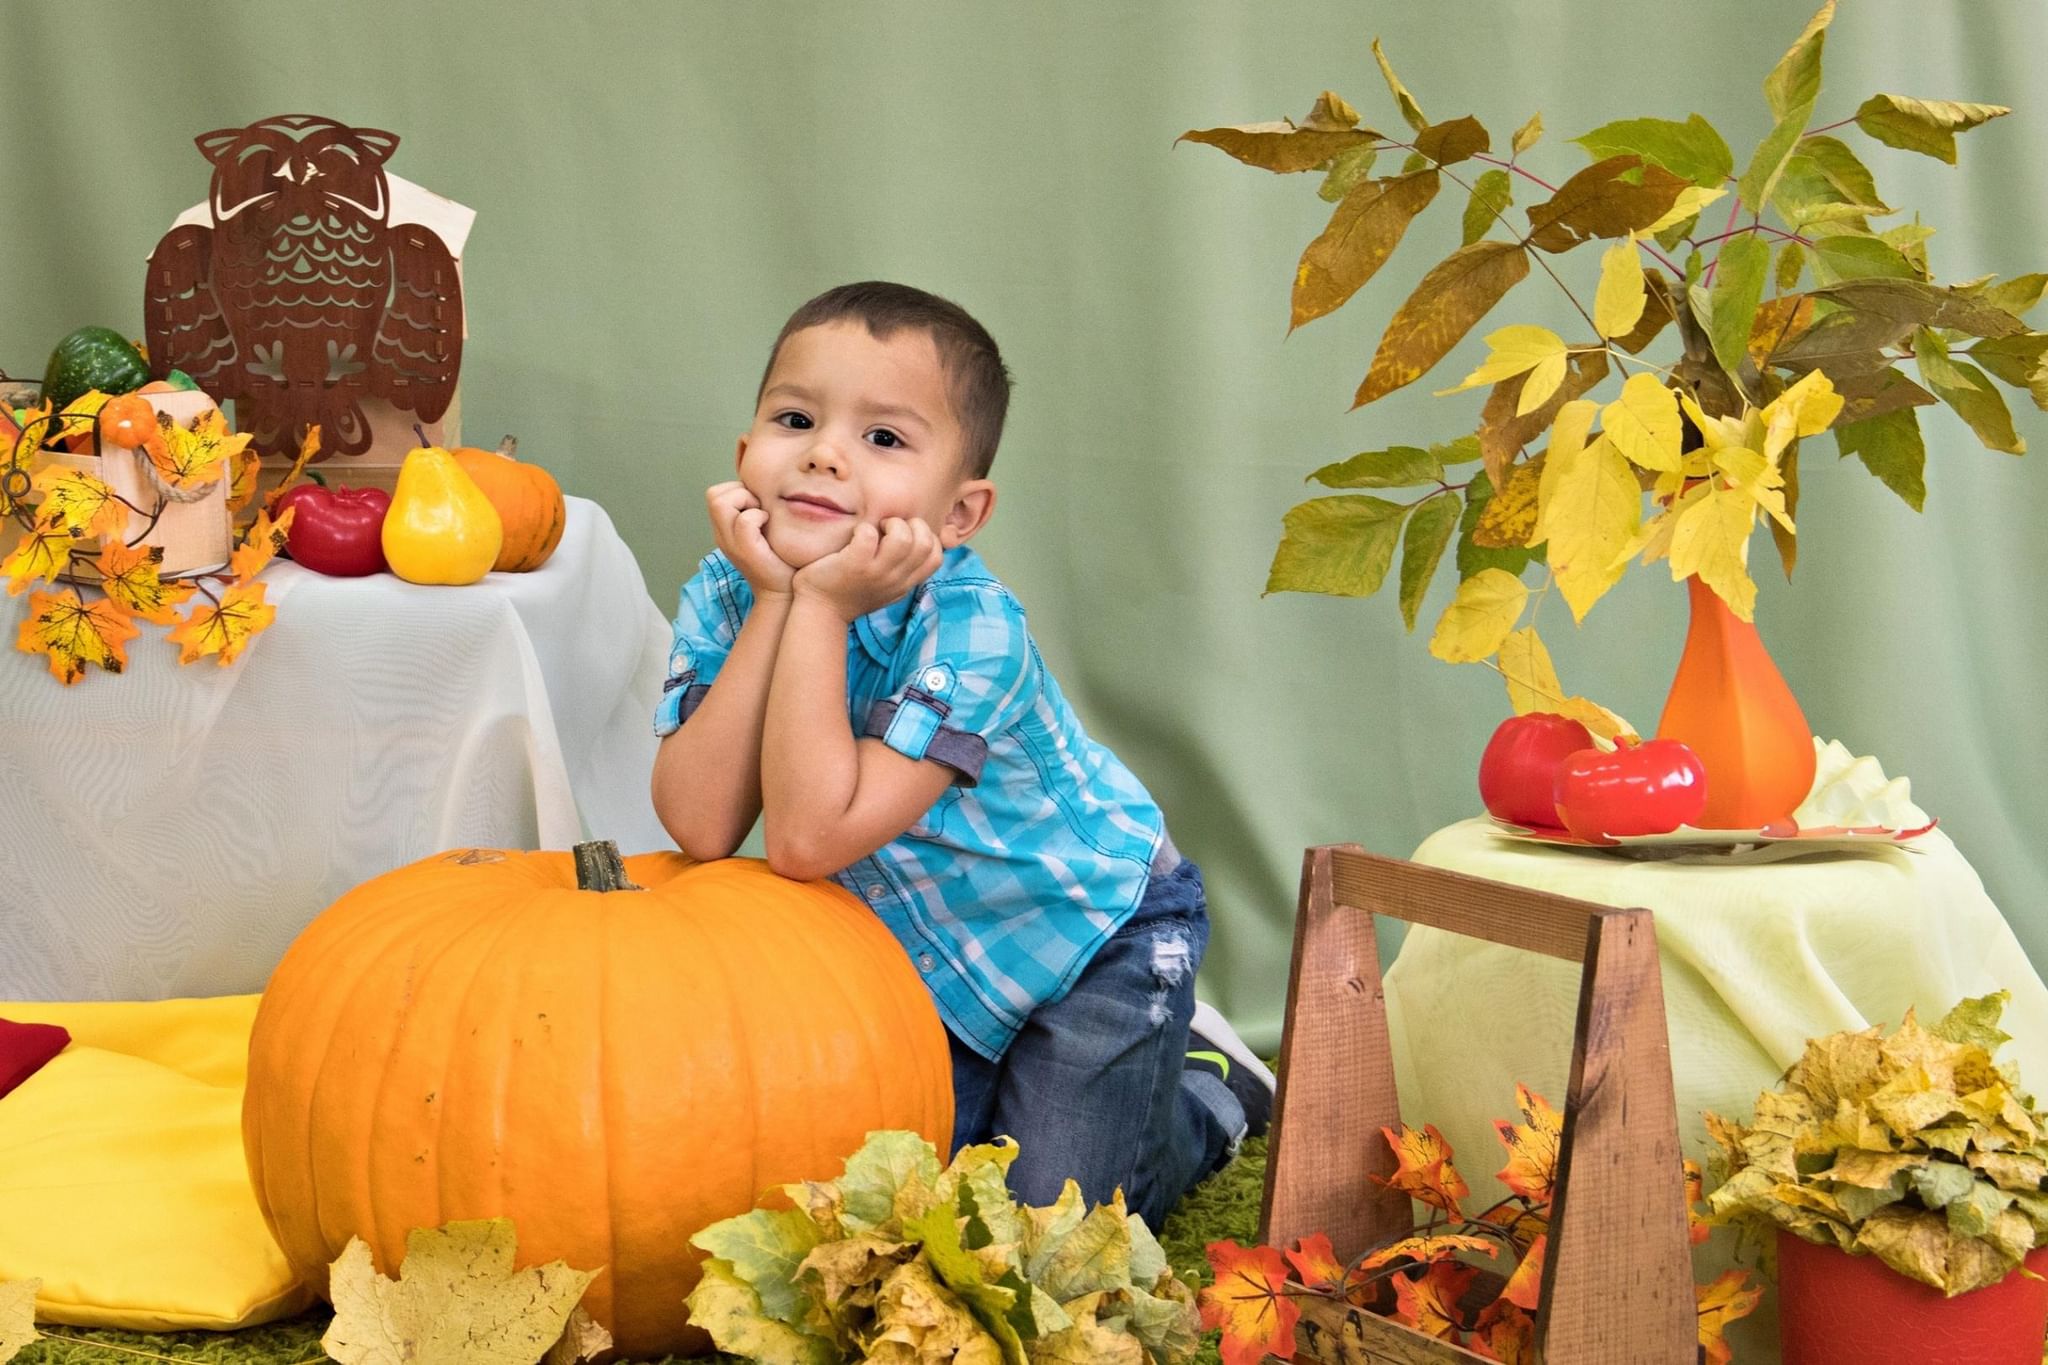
x: 1757, y: 476
x: 456, y: 1301
x: 78, y: 502
x: 1479, y: 617
x: 1589, y: 507
x: 1512, y: 351
x: 1532, y: 1148
x: 308, y: 448
x: 1711, y: 538
x: 1729, y: 1297
x: 260, y: 545
x: 74, y: 634
x: 1619, y: 301
x: 17, y: 1316
x: 225, y: 628
x: 1428, y: 1247
x: 42, y: 554
x: 1524, y: 1288
x: 248, y: 469
x: 79, y: 417
x: 129, y: 575
x: 1644, y: 424
x: 188, y: 458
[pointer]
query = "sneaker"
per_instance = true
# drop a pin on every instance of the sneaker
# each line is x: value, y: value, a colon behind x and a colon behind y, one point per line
x: 1213, y: 1046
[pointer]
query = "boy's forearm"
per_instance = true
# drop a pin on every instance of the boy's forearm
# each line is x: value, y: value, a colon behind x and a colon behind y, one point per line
x: 810, y: 763
x: 707, y: 775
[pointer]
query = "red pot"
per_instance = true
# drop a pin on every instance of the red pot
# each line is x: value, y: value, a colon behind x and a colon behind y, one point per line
x: 1838, y: 1309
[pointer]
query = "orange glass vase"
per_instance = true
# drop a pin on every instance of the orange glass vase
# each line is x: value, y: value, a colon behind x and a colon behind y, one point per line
x: 1730, y: 703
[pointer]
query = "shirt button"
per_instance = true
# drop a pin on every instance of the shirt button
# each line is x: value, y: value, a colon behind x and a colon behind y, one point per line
x: 877, y: 891
x: 925, y: 962
x: 934, y: 679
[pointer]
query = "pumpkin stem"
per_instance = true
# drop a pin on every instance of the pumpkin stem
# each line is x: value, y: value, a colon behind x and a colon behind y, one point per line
x: 599, y: 868
x: 421, y: 432
x: 509, y: 447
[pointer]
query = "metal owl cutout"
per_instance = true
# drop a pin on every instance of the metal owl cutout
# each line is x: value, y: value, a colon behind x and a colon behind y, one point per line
x: 303, y: 298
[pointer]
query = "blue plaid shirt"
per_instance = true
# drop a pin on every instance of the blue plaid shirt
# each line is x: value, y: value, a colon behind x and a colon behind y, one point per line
x: 1042, y: 846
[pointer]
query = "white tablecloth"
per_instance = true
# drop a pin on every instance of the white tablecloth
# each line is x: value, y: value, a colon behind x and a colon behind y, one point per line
x: 167, y: 831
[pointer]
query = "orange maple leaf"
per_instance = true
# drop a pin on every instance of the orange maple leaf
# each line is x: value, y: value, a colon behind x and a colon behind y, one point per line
x: 1697, y: 1228
x: 1524, y: 1288
x: 78, y: 502
x: 1720, y: 1303
x: 1424, y: 1168
x: 129, y: 576
x: 260, y: 545
x: 1249, y: 1303
x: 73, y: 633
x: 43, y: 553
x: 1430, y: 1248
x: 1315, y: 1261
x: 1505, y: 1333
x: 1429, y: 1302
x: 225, y: 629
x: 1532, y: 1147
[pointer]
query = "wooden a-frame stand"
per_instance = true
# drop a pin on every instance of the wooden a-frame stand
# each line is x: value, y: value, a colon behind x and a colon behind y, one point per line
x: 1617, y: 1279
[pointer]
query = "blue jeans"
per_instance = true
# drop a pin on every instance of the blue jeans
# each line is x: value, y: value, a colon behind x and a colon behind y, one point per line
x: 1094, y: 1087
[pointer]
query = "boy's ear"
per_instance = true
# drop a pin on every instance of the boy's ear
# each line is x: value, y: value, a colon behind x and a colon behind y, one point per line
x: 739, y: 456
x: 973, y: 505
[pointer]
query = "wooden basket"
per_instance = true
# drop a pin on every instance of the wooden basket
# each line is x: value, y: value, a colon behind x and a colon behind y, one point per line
x: 1617, y: 1281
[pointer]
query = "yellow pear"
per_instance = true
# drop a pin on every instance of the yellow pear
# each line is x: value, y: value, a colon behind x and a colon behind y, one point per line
x: 441, y: 528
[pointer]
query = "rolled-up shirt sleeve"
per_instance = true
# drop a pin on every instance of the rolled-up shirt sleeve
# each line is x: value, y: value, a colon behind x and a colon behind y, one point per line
x: 966, y: 672
x: 708, y: 618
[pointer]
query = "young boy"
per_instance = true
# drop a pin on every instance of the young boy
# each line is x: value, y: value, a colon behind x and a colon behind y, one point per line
x: 848, y: 670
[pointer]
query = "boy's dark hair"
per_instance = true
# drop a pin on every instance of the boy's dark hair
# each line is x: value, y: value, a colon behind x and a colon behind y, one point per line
x: 979, y: 383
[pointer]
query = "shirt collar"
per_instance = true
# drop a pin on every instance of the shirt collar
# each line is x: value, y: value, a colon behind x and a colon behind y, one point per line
x: 880, y: 632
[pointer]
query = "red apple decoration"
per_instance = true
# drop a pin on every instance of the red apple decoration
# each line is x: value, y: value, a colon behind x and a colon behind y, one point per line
x: 1518, y: 771
x: 336, y: 531
x: 1648, y: 788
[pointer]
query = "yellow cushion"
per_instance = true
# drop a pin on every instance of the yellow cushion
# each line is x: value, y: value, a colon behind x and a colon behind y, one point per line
x: 122, y: 1181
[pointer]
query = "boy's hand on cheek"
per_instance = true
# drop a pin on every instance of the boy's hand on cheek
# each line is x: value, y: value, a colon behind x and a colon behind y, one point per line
x: 739, y: 526
x: 878, y: 565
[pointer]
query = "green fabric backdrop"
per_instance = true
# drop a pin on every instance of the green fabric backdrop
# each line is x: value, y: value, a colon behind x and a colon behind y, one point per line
x: 658, y: 184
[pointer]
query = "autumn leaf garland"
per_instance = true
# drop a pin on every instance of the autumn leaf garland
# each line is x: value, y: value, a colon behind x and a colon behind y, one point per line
x: 79, y: 517
x: 1420, y: 1280
x: 1711, y: 435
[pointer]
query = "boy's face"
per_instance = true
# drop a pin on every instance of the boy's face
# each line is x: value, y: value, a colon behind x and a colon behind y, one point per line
x: 850, y: 429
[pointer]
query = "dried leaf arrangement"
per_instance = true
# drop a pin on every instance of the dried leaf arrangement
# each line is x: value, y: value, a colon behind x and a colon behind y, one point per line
x: 1916, y: 1148
x: 1420, y: 1280
x: 902, y: 1262
x: 1793, y: 315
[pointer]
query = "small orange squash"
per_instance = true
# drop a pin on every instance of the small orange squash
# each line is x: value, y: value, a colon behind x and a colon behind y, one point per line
x: 528, y: 499
x: 612, y: 1066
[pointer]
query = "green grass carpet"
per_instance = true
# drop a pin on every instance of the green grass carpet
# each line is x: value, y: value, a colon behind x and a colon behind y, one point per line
x: 1227, y: 1205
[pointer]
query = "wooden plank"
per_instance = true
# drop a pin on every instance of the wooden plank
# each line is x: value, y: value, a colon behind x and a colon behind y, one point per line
x: 1498, y: 912
x: 1617, y: 1285
x: 1336, y: 1080
x: 1333, y: 1334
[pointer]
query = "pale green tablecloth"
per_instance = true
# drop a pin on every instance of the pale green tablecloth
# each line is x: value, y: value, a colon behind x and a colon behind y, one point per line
x: 1757, y: 959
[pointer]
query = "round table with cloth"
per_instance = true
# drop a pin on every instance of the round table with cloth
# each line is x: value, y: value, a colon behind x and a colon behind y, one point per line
x: 167, y: 831
x: 1757, y: 958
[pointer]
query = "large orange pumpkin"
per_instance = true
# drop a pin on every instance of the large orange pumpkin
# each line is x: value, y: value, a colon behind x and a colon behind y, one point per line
x: 528, y: 499
x: 487, y: 1033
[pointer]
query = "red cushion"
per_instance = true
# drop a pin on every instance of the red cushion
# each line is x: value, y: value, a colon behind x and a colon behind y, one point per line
x: 24, y: 1048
